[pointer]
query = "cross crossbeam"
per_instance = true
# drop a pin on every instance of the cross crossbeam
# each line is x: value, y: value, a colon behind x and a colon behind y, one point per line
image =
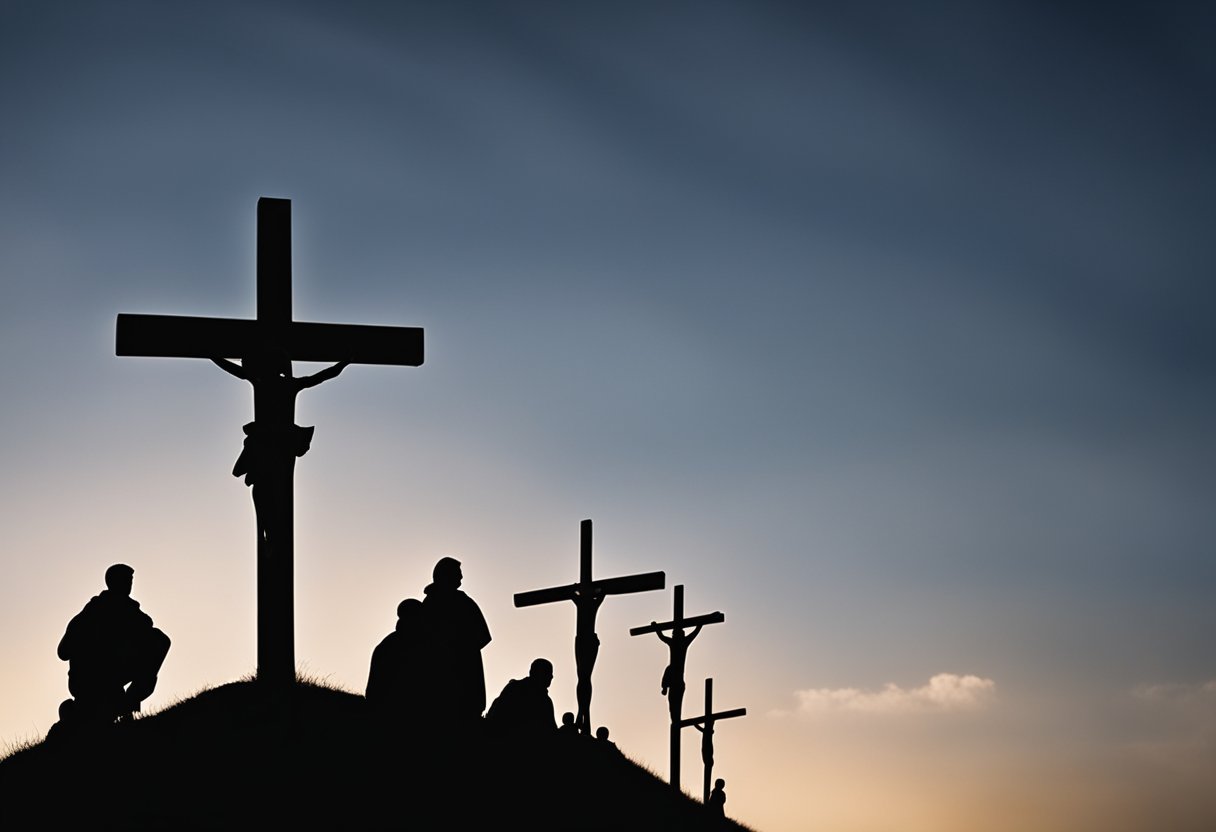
x: 180, y: 336
x: 664, y: 626
x: 626, y: 585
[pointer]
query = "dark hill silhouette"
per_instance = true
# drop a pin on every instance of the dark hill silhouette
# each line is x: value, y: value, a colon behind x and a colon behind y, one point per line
x: 242, y: 755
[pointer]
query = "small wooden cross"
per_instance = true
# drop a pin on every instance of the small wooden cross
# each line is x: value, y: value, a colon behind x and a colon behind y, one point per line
x: 673, y: 675
x: 272, y: 331
x: 587, y: 596
x: 705, y: 724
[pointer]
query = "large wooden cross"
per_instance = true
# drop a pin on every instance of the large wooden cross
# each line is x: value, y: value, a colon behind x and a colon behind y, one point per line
x: 673, y: 677
x: 705, y: 724
x: 587, y: 596
x: 272, y: 331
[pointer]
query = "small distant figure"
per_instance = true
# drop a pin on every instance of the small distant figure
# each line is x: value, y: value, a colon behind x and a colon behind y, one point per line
x: 568, y: 728
x: 524, y: 709
x: 457, y: 631
x: 274, y: 440
x: 396, y: 680
x: 717, y: 799
x: 68, y: 724
x: 114, y: 653
x: 601, y: 735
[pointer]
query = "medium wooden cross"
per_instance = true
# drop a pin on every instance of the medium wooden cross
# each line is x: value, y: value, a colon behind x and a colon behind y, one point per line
x: 673, y: 676
x: 587, y: 596
x: 273, y: 332
x: 705, y: 724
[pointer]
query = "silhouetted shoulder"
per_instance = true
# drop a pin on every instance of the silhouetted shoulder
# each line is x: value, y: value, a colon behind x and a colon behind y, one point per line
x: 458, y: 614
x: 524, y: 710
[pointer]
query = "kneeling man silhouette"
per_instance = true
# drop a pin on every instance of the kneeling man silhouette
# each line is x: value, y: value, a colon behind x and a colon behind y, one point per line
x: 114, y: 652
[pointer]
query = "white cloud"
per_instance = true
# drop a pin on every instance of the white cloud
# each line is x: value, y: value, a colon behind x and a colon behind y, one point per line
x: 1177, y: 694
x: 1185, y: 710
x: 944, y: 692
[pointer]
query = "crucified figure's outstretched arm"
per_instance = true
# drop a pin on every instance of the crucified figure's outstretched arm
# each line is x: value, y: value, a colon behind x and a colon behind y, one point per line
x: 313, y: 380
x: 665, y: 639
x: 228, y: 367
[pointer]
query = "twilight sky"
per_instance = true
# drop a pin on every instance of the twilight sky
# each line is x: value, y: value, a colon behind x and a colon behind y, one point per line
x: 888, y: 330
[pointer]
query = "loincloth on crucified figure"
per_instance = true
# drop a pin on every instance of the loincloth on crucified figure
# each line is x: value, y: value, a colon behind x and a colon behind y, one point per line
x: 264, y: 446
x: 266, y: 461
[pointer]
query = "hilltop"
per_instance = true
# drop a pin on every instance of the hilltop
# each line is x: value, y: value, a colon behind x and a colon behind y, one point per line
x: 311, y: 756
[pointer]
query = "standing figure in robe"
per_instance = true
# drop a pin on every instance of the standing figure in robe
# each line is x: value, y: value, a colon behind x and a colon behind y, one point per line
x: 457, y: 632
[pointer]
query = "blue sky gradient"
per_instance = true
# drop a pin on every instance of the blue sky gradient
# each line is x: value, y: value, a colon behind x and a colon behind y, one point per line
x: 887, y: 330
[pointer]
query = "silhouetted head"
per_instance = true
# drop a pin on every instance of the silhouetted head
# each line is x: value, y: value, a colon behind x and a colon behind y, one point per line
x: 118, y: 578
x: 447, y: 572
x: 601, y: 733
x: 541, y: 671
x: 567, y: 718
x: 719, y: 783
x: 268, y: 361
x: 409, y: 610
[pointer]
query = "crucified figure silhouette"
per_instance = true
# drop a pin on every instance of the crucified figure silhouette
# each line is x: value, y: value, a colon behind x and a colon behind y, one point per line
x: 673, y: 674
x: 587, y: 602
x: 274, y: 440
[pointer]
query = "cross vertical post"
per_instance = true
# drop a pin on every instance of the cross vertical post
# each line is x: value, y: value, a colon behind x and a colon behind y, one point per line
x: 274, y: 263
x: 673, y: 731
x: 584, y: 552
x: 709, y: 764
x: 276, y: 557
